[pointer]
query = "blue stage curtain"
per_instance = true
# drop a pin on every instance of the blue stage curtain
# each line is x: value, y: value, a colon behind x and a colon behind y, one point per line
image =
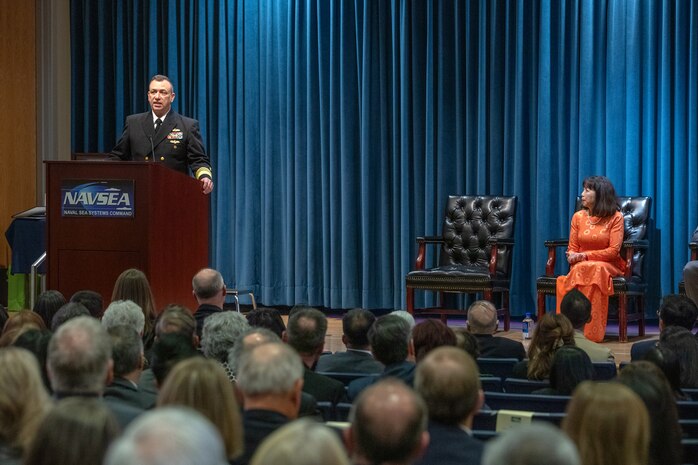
x: 338, y: 128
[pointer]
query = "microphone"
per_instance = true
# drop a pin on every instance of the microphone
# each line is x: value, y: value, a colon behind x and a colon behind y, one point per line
x: 152, y: 148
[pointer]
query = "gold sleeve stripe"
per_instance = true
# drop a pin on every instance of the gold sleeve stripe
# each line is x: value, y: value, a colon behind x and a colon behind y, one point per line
x: 203, y: 172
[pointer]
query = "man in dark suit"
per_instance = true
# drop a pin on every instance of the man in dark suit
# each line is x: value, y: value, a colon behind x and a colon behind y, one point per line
x: 306, y: 332
x: 358, y: 357
x: 675, y: 310
x: 162, y: 135
x: 80, y: 364
x: 209, y: 291
x: 690, y: 275
x: 390, y: 342
x: 388, y: 425
x: 270, y: 378
x: 482, y: 323
x: 127, y: 353
x: 448, y: 381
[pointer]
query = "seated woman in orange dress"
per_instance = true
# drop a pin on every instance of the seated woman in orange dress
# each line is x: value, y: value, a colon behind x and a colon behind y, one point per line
x: 596, y: 235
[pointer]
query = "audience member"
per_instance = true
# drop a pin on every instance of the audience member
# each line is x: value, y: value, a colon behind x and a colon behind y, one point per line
x: 358, y: 357
x: 124, y: 312
x: 571, y: 365
x: 306, y: 332
x: 168, y: 351
x: 80, y: 364
x: 220, y: 334
x: 127, y: 353
x: 209, y: 291
x: 4, y: 316
x: 18, y: 323
x: 320, y: 446
x: 666, y: 360
x: 685, y: 346
x: 536, y: 444
x: 389, y: 338
x: 577, y: 308
x: 609, y: 424
x: 407, y: 316
x: 36, y: 341
x: 482, y: 323
x: 68, y: 312
x: 75, y: 432
x: 268, y: 318
x: 388, y: 424
x: 448, y: 381
x: 168, y: 435
x: 690, y: 274
x: 47, y: 304
x: 675, y: 310
x: 270, y: 378
x: 202, y: 385
x: 92, y: 301
x: 133, y: 285
x: 552, y: 332
x: 23, y: 403
x: 466, y: 340
x: 648, y: 382
x: 430, y: 334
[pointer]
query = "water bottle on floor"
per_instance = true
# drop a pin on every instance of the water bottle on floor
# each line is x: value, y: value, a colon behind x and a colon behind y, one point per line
x: 528, y: 325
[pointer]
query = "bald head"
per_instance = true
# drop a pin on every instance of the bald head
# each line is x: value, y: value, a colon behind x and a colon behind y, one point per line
x: 388, y: 424
x: 482, y: 317
x: 208, y: 287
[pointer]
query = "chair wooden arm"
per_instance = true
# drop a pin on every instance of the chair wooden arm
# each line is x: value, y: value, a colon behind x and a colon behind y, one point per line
x: 694, y: 250
x: 629, y: 251
x: 495, y: 243
x: 552, y: 246
x: 422, y: 251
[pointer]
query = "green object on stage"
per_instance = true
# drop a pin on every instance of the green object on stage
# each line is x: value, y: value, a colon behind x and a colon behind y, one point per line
x: 16, y: 290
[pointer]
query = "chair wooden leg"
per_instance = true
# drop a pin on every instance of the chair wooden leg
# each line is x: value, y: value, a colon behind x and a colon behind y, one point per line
x: 641, y: 309
x: 410, y: 300
x: 541, y: 305
x: 507, y: 315
x: 623, y: 318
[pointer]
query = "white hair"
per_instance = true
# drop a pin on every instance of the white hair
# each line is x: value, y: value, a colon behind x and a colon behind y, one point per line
x: 124, y: 313
x: 534, y: 444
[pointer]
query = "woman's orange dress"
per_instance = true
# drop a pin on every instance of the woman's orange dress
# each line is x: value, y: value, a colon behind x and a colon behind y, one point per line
x: 600, y: 239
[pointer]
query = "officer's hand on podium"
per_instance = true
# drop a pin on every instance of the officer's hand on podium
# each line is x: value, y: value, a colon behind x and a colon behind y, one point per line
x: 207, y: 185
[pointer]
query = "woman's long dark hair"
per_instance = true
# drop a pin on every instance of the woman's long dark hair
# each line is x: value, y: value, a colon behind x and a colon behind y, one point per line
x: 606, y: 203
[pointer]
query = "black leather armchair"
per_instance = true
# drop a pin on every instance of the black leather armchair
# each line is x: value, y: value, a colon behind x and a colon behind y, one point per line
x: 477, y: 244
x: 629, y: 287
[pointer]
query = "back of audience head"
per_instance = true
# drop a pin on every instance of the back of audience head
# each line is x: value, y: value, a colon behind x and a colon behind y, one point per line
x: 124, y: 312
x: 448, y: 380
x: 168, y: 436
x: 467, y: 342
x: 389, y: 337
x: 92, y: 301
x: 552, y: 332
x: 306, y: 331
x: 405, y: 315
x: 355, y: 326
x: 430, y: 334
x: 648, y: 382
x: 168, y: 350
x: 208, y: 285
x: 127, y: 350
x: 177, y: 319
x: 667, y: 361
x: 320, y: 446
x: 535, y: 444
x: 482, y: 317
x: 269, y: 368
x: 598, y: 422
x: 249, y: 339
x: 18, y: 323
x: 79, y: 357
x: 677, y: 310
x: 268, y: 318
x: 375, y: 436
x: 75, y: 432
x: 47, y: 304
x: 68, y: 312
x: 685, y: 345
x: 23, y: 398
x: 570, y: 366
x: 202, y: 385
x: 133, y: 285
x: 36, y: 341
x: 220, y: 334
x: 577, y: 308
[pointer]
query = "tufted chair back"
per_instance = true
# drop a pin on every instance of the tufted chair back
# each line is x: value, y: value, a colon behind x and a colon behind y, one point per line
x: 469, y: 223
x: 636, y: 214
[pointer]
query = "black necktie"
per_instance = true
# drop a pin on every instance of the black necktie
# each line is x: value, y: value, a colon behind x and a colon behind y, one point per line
x: 158, y: 122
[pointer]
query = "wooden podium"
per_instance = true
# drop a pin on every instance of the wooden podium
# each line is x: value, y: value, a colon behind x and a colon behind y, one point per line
x: 165, y: 236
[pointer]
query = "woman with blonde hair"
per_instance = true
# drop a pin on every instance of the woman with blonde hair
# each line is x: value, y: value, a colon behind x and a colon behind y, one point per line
x: 133, y: 285
x: 202, y: 385
x: 552, y: 332
x: 609, y: 424
x: 23, y: 402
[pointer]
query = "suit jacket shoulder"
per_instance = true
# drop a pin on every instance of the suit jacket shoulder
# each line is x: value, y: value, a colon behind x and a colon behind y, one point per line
x: 323, y: 388
x: 596, y: 352
x: 451, y: 445
x: 499, y: 347
x: 349, y: 362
